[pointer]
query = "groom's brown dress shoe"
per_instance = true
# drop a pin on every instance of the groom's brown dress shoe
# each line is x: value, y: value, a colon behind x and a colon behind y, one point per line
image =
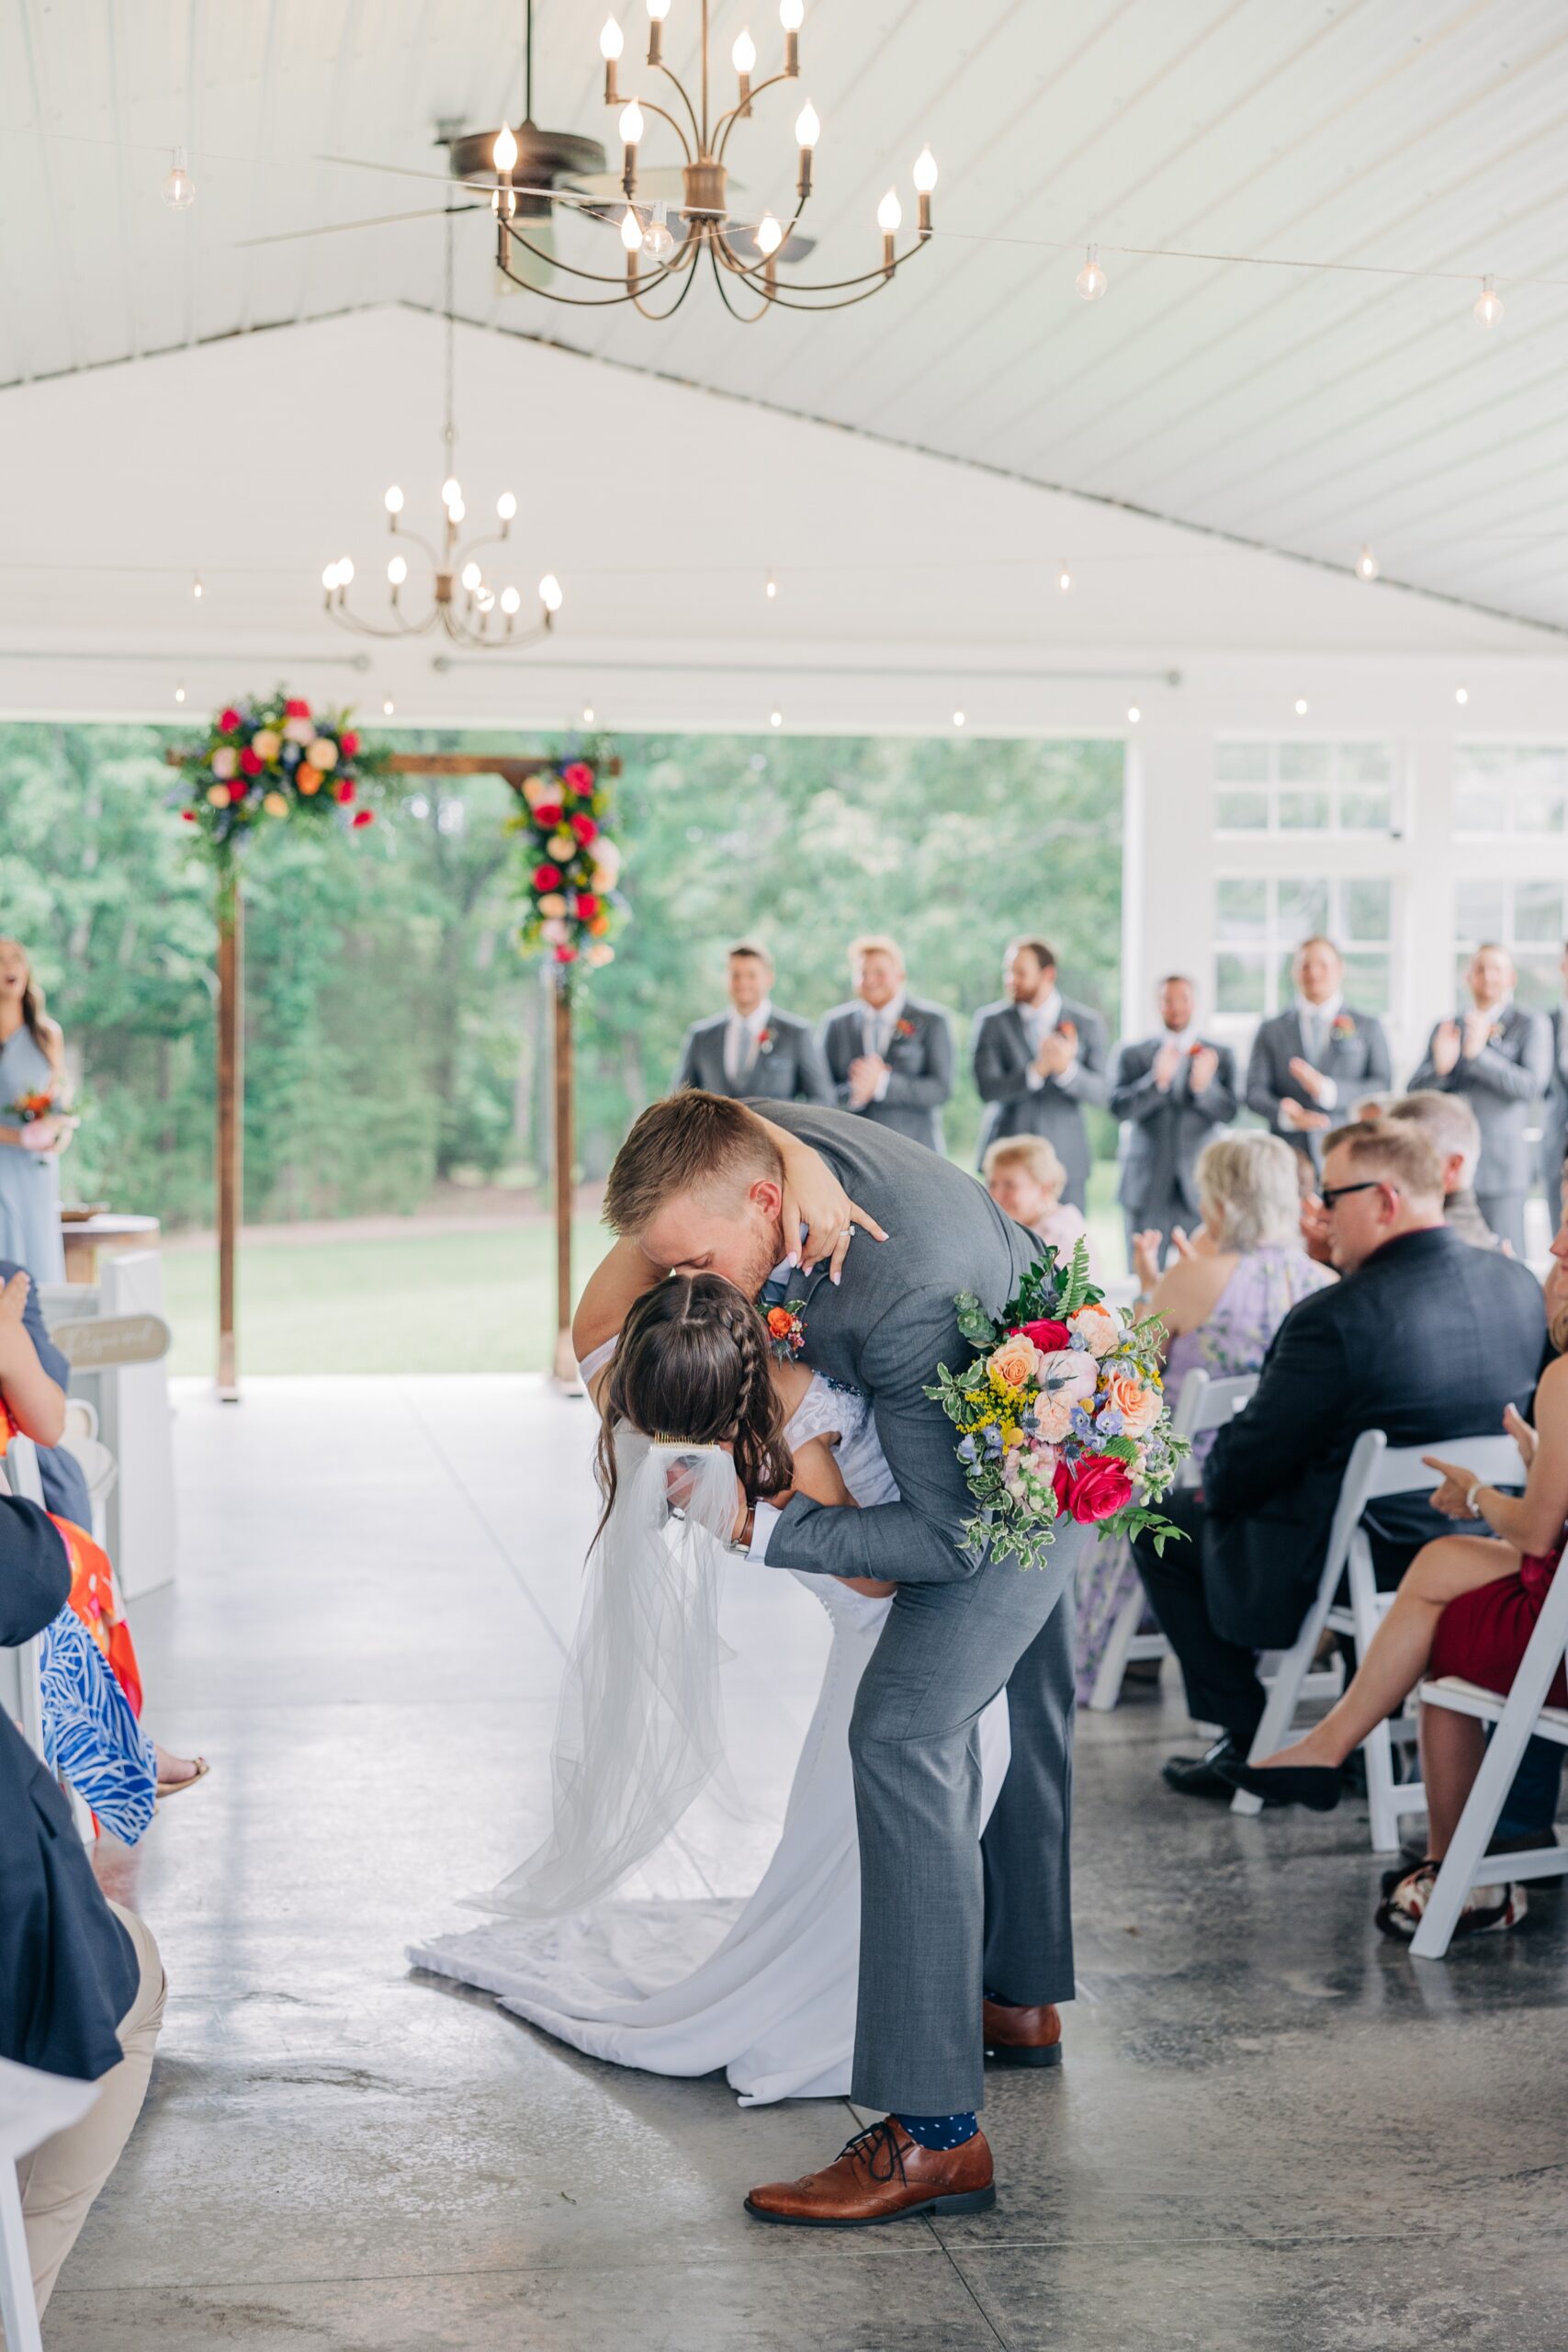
x: 1023, y: 2037
x: 883, y: 2175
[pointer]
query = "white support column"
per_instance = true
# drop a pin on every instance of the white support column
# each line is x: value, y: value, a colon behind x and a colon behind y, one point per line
x: 1427, y: 916
x: 1167, y: 905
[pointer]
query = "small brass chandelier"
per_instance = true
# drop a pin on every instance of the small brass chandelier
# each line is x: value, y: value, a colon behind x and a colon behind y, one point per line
x: 464, y: 603
x: 656, y: 256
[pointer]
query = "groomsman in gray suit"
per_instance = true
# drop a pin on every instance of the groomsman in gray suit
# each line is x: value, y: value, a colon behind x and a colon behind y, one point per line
x: 1499, y: 1056
x: 889, y: 1057
x: 1309, y: 1065
x: 1554, y: 1111
x: 1171, y: 1091
x: 753, y: 1049
x: 1038, y: 1058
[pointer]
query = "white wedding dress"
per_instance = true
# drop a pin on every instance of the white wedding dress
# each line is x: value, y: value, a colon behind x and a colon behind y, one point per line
x: 764, y: 1987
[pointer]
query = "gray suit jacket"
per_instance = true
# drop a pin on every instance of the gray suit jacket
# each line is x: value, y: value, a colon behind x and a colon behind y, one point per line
x: 1554, y: 1116
x: 1357, y: 1062
x: 788, y: 1068
x: 1001, y: 1060
x: 1502, y: 1084
x: 884, y: 1330
x: 919, y: 1059
x: 1163, y: 1134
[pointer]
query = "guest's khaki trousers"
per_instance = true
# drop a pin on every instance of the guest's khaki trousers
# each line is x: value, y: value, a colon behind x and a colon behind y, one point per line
x: 59, y: 2179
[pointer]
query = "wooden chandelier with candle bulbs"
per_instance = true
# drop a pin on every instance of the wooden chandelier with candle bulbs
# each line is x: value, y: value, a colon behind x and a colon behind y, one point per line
x: 660, y: 255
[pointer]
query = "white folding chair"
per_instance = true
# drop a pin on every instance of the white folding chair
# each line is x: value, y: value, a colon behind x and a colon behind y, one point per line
x: 1202, y: 1403
x: 1518, y: 1717
x: 33, y: 2107
x: 1375, y: 1471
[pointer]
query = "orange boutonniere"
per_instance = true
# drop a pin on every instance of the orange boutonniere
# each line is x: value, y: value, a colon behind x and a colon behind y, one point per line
x: 905, y: 1028
x: 786, y: 1332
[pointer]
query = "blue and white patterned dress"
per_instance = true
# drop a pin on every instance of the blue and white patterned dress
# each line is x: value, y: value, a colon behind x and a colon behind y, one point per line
x: 91, y: 1739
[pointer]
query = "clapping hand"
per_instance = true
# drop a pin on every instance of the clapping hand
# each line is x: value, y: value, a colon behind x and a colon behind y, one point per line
x: 1444, y: 1046
x: 866, y: 1074
x: 43, y: 1135
x: 1146, y: 1260
x: 1310, y: 1079
x: 1477, y: 1034
x: 13, y: 1307
x: 1203, y: 1069
x: 1058, y: 1052
x: 1167, y: 1061
x: 1198, y: 1245
x: 1457, y: 1482
x: 1296, y: 1114
x: 1519, y: 1429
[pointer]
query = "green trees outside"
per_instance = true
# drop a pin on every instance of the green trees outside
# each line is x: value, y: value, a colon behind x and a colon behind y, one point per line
x: 393, y: 1036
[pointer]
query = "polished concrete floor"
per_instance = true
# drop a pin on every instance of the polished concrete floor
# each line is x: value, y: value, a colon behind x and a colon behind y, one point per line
x: 1273, y: 2130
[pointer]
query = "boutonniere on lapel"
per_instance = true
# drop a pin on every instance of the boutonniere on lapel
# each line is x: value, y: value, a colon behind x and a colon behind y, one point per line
x: 905, y: 1028
x: 1343, y: 1028
x: 764, y: 1041
x: 787, y: 1330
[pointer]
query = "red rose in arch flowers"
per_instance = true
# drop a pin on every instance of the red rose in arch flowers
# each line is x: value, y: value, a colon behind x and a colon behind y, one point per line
x: 585, y: 828
x: 548, y: 815
x: 347, y: 744
x: 227, y: 721
x: 295, y: 708
x: 251, y: 761
x: 587, y: 906
x: 345, y: 790
x: 546, y: 877
x: 578, y: 776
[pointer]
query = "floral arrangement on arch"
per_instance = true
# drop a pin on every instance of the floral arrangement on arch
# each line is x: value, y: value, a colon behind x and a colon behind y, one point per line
x: 1062, y: 1415
x: 572, y: 869
x: 269, y: 761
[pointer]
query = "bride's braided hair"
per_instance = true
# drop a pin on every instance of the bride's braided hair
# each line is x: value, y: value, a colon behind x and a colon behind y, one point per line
x: 692, y: 1365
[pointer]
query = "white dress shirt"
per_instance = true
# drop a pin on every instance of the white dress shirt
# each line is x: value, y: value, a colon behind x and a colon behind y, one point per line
x: 1316, y: 1023
x: 741, y: 1036
x: 877, y: 1025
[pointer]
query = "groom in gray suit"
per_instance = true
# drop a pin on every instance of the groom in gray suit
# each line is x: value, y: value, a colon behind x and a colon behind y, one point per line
x: 965, y: 1942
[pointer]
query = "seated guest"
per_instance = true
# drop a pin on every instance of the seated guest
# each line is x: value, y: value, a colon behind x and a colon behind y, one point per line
x: 1025, y: 1179
x: 1170, y: 1092
x: 1221, y: 1303
x: 1498, y: 1056
x: 1317, y: 1059
x: 753, y: 1049
x: 889, y: 1057
x: 1038, y: 1060
x: 81, y: 1984
x: 90, y: 1717
x: 1421, y: 1337
x: 1467, y: 1605
x: 1455, y: 1129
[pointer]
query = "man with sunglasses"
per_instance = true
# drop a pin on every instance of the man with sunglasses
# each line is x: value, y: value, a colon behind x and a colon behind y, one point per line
x: 1423, y: 1338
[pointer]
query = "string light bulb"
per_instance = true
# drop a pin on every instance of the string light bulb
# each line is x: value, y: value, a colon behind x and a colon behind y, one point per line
x: 1301, y: 707
x: 770, y: 587
x: 588, y: 714
x: 1488, y: 309
x: 1063, y: 580
x: 1091, y: 279
x: 1367, y: 566
x: 1134, y: 714
x: 386, y: 706
x: 958, y: 719
x: 179, y: 188
x: 179, y: 694
x: 196, y: 589
x: 1461, y: 694
x: 775, y: 718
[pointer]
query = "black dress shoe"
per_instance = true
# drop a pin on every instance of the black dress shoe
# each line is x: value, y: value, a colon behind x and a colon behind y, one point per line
x: 1201, y: 1776
x: 1316, y: 1786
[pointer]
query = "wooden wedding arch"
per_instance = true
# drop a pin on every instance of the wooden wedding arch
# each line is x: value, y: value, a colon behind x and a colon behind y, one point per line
x: 230, y: 1124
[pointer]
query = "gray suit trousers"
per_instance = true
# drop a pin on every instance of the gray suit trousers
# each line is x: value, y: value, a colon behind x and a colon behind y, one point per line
x: 1505, y: 1213
x: 942, y: 1917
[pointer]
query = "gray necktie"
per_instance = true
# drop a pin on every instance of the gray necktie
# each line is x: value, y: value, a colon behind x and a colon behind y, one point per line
x: 1313, y: 1027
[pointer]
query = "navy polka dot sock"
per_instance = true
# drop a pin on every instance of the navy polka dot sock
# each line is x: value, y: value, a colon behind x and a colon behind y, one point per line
x: 941, y: 2130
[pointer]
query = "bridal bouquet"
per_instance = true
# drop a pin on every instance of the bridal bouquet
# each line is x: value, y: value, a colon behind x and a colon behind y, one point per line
x: 39, y: 1104
x: 1061, y: 1414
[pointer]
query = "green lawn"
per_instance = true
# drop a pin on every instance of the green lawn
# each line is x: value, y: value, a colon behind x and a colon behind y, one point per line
x: 420, y: 1301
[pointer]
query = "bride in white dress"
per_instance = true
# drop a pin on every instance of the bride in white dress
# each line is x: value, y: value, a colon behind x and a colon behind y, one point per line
x: 764, y: 1987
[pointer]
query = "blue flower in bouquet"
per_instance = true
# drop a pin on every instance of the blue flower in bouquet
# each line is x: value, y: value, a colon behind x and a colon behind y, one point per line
x: 1111, y: 1424
x: 1080, y: 1424
x: 993, y: 1442
x: 968, y: 1453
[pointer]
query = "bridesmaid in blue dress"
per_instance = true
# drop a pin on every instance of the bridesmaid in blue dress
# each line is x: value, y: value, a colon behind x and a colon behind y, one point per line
x: 32, y: 1062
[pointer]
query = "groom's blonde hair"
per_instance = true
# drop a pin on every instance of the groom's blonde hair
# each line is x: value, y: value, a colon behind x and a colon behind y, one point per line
x: 691, y: 1142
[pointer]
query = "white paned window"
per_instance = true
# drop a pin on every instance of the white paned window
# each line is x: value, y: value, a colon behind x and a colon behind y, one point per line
x: 1529, y: 919
x: 1511, y: 788
x: 1261, y: 920
x: 1306, y: 787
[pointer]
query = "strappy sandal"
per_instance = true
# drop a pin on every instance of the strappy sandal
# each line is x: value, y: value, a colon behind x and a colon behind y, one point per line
x: 172, y: 1788
x: 1407, y: 1892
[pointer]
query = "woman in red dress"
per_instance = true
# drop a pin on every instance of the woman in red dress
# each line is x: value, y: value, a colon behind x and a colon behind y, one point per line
x: 1467, y: 1606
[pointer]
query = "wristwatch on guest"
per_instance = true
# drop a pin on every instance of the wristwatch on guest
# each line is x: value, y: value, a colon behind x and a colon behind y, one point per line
x: 742, y: 1543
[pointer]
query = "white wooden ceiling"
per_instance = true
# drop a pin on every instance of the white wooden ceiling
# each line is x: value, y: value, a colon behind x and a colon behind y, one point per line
x: 1303, y: 410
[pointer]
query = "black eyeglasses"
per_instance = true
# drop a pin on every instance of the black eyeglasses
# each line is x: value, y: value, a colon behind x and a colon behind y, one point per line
x: 1333, y: 1193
